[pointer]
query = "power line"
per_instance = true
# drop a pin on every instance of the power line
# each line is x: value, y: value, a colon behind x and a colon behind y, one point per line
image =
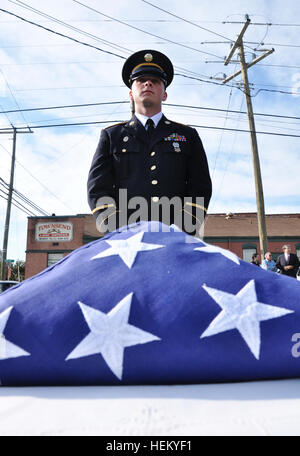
x: 61, y: 34
x: 215, y: 195
x: 262, y: 23
x: 58, y: 21
x: 14, y: 98
x: 33, y: 127
x: 186, y: 20
x: 205, y: 108
x: 23, y: 198
x: 86, y: 44
x: 36, y: 179
x: 26, y: 211
x: 144, y: 31
x: 221, y: 137
x: 277, y: 44
x: 17, y: 204
x: 67, y: 106
x: 236, y: 86
x: 260, y: 43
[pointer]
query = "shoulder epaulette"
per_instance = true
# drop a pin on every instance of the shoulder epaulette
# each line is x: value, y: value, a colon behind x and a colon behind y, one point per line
x: 114, y: 125
x: 178, y: 123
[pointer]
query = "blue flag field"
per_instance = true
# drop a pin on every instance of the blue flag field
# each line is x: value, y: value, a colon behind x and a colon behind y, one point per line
x: 148, y: 304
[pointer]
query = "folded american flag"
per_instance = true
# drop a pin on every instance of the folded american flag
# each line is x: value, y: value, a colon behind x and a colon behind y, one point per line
x: 148, y: 304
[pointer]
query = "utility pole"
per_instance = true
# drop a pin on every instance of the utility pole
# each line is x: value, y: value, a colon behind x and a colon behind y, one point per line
x: 9, y: 201
x: 238, y: 45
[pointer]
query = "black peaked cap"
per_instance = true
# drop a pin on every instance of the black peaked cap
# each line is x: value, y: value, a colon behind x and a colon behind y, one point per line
x: 147, y: 63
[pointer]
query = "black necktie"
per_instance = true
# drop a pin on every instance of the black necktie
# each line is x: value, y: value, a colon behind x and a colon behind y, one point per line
x: 150, y: 127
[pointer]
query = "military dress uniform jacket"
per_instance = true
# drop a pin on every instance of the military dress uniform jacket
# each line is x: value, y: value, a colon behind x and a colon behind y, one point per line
x: 172, y: 162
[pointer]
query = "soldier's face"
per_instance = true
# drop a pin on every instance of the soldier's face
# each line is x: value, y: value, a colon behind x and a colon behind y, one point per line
x: 148, y: 92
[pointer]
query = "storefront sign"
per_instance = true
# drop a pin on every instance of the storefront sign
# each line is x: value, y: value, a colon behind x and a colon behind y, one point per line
x: 54, y: 232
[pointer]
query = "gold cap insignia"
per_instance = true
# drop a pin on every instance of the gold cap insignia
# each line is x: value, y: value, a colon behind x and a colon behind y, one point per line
x: 148, y: 57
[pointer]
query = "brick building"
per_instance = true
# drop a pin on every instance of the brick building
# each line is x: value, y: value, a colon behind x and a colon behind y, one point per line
x: 239, y: 233
x: 51, y: 238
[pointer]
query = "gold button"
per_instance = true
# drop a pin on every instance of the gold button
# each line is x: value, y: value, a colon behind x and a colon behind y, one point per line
x: 153, y: 168
x: 155, y: 199
x: 154, y: 182
x: 152, y: 154
x: 124, y: 150
x: 131, y: 123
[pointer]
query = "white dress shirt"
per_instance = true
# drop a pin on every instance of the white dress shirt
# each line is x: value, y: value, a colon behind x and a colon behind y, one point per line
x: 143, y: 119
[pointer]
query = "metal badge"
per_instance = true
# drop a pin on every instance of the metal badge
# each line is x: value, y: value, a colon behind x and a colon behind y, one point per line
x: 125, y: 139
x: 176, y: 146
x: 148, y: 57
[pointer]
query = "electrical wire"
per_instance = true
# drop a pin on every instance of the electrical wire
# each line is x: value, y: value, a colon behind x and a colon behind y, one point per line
x: 33, y: 127
x: 17, y: 204
x: 14, y: 98
x: 144, y: 31
x: 61, y: 34
x: 215, y: 195
x: 263, y: 23
x: 36, y: 179
x: 222, y: 134
x: 58, y: 21
x: 205, y: 108
x: 23, y: 198
x: 189, y: 22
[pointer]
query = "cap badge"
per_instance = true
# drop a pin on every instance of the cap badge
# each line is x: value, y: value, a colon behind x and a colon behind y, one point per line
x: 148, y: 57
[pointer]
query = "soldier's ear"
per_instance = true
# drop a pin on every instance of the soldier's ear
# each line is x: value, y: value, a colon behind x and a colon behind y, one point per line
x: 165, y: 96
x: 130, y: 95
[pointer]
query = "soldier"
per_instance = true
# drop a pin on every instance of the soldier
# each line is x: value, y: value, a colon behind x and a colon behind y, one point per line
x: 149, y: 159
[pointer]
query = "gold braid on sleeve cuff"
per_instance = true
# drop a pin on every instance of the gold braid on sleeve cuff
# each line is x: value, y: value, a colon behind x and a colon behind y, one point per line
x: 196, y: 205
x: 104, y: 206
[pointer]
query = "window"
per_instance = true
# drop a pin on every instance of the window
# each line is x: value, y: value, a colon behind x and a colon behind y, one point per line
x: 54, y: 258
x: 248, y: 250
x: 247, y: 254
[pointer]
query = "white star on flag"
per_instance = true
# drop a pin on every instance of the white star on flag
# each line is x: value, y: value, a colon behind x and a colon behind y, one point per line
x: 110, y: 334
x: 242, y: 312
x: 8, y: 349
x: 213, y: 249
x: 127, y: 249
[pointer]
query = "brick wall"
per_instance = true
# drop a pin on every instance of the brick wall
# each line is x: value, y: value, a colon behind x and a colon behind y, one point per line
x: 37, y: 251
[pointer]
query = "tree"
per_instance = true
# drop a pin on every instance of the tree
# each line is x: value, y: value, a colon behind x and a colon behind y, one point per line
x: 17, y: 271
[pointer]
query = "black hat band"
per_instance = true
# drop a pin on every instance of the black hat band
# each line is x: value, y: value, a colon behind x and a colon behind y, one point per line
x: 148, y: 68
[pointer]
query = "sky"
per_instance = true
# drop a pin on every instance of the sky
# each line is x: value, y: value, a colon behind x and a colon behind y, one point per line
x: 42, y: 69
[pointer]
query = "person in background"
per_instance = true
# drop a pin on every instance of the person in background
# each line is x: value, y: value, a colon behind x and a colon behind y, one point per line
x: 268, y: 263
x: 255, y: 259
x: 288, y: 262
